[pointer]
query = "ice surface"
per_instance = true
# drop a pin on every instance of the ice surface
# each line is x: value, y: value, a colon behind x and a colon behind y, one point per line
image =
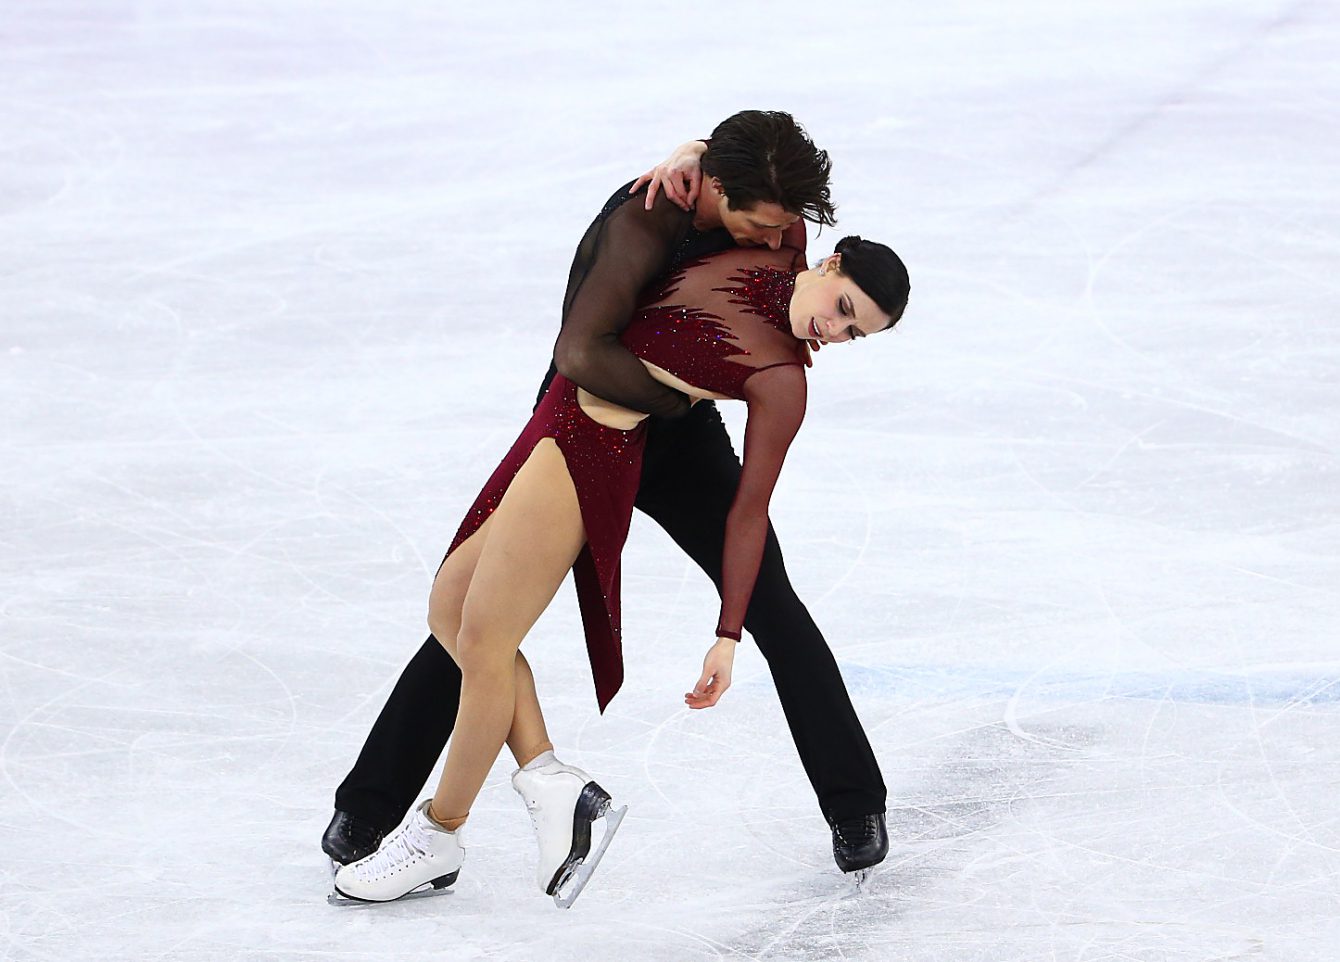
x: 279, y: 281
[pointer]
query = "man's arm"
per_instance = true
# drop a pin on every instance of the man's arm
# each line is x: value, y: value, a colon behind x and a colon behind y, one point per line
x: 630, y: 248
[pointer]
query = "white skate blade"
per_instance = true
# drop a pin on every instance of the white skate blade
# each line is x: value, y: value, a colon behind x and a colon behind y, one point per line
x: 571, y: 885
x: 862, y: 879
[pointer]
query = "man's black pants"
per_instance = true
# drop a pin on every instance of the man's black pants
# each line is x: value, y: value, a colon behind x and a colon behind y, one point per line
x: 689, y: 477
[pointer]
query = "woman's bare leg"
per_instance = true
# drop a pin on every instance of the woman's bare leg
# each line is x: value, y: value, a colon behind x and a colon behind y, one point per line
x: 528, y: 736
x: 534, y: 537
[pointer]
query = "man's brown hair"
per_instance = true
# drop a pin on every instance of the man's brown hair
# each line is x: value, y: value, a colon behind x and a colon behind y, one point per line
x: 764, y: 156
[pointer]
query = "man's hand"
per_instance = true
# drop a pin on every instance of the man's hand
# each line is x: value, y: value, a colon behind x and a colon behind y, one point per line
x: 716, y: 675
x: 680, y: 176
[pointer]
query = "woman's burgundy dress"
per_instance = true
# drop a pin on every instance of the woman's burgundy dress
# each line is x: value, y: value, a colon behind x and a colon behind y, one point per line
x: 716, y: 324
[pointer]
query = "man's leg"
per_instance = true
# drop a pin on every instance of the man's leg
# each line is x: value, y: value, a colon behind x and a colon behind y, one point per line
x: 689, y: 478
x: 406, y: 740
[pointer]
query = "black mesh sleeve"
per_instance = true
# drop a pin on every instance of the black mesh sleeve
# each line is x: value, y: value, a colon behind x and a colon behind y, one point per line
x: 621, y: 253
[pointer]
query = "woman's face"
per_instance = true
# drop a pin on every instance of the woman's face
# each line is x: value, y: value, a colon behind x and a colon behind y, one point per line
x: 828, y: 307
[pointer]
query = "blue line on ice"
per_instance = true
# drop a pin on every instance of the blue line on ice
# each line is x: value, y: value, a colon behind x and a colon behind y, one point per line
x: 1306, y: 685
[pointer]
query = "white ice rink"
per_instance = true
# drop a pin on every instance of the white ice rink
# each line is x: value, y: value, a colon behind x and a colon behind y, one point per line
x: 278, y: 282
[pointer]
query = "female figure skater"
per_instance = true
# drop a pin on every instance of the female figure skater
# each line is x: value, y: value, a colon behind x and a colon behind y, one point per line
x: 730, y: 325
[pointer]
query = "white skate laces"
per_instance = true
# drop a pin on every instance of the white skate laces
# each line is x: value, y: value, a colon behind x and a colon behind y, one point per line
x: 400, y: 849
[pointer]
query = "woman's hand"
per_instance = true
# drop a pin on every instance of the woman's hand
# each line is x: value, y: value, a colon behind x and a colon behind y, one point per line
x: 716, y: 675
x: 680, y: 176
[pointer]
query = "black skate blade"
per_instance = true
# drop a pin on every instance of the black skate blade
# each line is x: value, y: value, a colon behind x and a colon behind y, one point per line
x: 575, y: 876
x: 592, y: 803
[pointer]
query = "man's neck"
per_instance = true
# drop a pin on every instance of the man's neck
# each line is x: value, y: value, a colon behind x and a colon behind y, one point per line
x: 706, y: 214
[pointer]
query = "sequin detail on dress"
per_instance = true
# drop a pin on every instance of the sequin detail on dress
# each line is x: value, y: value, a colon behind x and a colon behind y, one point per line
x: 699, y: 345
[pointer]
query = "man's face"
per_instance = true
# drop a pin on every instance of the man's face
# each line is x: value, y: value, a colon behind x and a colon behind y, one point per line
x: 759, y: 226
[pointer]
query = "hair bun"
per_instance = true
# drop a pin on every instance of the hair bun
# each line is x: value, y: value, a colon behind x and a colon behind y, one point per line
x: 848, y: 243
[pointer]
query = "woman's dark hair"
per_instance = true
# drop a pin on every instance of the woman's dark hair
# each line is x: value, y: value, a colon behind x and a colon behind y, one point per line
x: 764, y: 156
x: 878, y: 271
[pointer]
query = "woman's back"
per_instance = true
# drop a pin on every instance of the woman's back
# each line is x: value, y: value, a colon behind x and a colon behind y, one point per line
x: 720, y: 319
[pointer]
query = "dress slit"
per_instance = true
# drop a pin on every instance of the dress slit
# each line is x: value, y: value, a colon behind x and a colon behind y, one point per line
x: 605, y: 465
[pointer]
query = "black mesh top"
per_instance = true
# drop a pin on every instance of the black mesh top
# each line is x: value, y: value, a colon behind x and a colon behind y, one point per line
x: 626, y: 249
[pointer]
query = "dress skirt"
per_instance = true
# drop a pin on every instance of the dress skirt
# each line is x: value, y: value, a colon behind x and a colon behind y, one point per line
x: 606, y: 467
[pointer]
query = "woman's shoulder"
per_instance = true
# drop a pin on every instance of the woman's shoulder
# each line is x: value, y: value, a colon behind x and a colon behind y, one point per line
x: 758, y: 274
x: 786, y: 259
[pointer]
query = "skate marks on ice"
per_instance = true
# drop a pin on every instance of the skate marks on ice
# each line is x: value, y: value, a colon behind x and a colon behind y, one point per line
x: 1002, y: 849
x: 938, y: 817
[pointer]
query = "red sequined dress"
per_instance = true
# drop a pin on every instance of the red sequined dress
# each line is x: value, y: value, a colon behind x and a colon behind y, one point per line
x: 721, y: 324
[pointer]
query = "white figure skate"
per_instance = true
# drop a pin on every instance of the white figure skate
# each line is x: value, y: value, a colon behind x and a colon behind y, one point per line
x: 563, y: 803
x: 419, y: 858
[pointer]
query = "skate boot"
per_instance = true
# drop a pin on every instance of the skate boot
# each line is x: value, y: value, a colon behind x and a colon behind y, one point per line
x: 563, y: 803
x: 420, y: 857
x: 349, y: 838
x: 859, y: 844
